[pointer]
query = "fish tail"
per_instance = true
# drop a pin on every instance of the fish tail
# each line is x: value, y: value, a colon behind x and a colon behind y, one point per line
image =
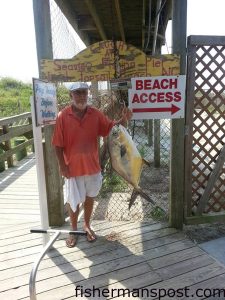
x: 133, y: 198
x: 137, y: 192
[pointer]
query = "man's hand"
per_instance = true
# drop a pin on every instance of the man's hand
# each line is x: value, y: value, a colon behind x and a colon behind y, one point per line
x: 64, y: 170
x: 127, y: 113
x: 126, y: 116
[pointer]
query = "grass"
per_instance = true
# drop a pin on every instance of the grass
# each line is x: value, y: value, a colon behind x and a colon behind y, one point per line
x: 15, y: 96
x: 157, y: 213
x: 113, y: 183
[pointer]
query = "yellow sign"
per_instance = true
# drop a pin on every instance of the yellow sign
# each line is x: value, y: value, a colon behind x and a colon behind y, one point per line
x: 107, y: 60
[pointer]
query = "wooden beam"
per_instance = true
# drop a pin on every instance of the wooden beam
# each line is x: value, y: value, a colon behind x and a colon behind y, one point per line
x: 13, y: 119
x: 207, y: 40
x: 205, y: 218
x: 156, y: 27
x: 120, y: 20
x: 179, y: 26
x: 15, y: 131
x: 54, y: 188
x: 93, y: 12
x: 85, y: 23
x: 211, y: 182
x: 189, y: 108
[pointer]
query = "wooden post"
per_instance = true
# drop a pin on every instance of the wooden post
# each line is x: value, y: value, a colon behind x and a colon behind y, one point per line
x: 156, y: 126
x: 8, y: 146
x: 179, y: 24
x: 148, y: 124
x: 31, y: 135
x: 2, y: 162
x: 20, y: 154
x: 157, y: 143
x: 150, y: 132
x: 190, y: 95
x: 42, y: 22
x: 94, y: 93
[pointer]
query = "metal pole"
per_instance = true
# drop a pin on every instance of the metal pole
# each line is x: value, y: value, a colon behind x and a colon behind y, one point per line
x: 32, y: 281
x: 32, y: 287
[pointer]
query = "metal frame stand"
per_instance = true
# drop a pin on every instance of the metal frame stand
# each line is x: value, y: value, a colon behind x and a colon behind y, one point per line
x: 32, y: 280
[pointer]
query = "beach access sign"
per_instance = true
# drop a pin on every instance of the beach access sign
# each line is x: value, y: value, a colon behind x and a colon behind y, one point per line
x: 161, y: 97
x: 45, y: 102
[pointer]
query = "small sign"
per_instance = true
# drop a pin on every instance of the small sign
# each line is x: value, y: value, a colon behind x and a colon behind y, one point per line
x: 120, y: 84
x: 160, y: 97
x: 45, y: 102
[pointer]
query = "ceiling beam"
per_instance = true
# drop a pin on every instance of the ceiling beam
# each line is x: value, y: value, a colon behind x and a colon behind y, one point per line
x: 148, y: 29
x: 143, y: 24
x: 156, y: 27
x: 93, y: 12
x: 85, y: 23
x: 120, y: 20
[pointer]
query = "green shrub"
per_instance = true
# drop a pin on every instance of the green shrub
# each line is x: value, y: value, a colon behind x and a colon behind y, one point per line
x: 14, y: 97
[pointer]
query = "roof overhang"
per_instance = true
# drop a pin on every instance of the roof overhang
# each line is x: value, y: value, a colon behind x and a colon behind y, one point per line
x: 141, y: 23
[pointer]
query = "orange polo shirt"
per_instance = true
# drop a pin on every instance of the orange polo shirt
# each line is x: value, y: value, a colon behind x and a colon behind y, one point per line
x: 79, y: 139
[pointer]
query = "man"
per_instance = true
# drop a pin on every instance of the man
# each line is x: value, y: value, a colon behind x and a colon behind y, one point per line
x: 75, y: 138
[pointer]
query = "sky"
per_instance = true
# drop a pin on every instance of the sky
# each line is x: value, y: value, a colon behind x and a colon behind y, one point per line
x: 18, y: 58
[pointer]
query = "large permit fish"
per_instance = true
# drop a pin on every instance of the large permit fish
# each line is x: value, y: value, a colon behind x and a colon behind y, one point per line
x: 126, y: 160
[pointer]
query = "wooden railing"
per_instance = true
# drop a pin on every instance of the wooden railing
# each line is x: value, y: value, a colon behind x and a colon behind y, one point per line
x: 12, y: 128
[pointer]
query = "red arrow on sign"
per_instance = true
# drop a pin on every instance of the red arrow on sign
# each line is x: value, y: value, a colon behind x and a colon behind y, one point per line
x: 173, y: 109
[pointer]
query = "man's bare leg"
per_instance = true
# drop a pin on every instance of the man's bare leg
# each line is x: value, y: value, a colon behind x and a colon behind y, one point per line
x: 73, y: 217
x: 72, y: 239
x: 88, y: 208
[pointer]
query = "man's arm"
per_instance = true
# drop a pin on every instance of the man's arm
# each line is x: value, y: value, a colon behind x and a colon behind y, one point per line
x: 63, y: 167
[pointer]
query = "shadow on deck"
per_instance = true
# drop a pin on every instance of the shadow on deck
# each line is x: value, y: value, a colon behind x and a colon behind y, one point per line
x: 135, y: 259
x: 8, y: 176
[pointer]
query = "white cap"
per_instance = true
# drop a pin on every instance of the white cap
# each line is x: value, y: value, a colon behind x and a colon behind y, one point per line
x: 78, y: 86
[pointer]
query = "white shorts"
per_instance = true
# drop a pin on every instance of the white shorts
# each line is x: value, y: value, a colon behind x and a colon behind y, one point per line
x: 77, y: 188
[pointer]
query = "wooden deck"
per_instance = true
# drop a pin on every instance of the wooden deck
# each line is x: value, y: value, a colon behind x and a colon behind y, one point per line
x: 127, y: 255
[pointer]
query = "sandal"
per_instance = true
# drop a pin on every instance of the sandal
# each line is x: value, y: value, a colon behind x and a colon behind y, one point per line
x: 71, y: 241
x: 91, y: 236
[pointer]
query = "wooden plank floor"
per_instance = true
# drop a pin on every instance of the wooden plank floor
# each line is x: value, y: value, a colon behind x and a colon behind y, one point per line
x: 126, y: 256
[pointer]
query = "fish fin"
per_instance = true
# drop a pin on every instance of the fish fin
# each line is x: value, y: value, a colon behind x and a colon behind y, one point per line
x: 146, y: 162
x: 136, y: 192
x: 145, y: 196
x: 123, y: 150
